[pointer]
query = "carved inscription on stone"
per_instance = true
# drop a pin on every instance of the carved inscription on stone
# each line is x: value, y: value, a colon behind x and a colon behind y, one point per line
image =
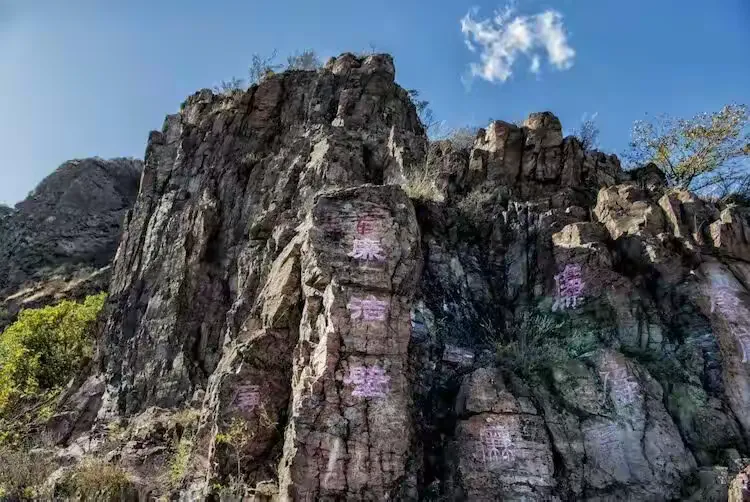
x: 368, y: 381
x: 367, y: 250
x: 496, y: 445
x: 724, y: 300
x: 616, y: 377
x: 743, y: 336
x: 247, y: 397
x: 367, y: 309
x: 569, y: 288
x: 365, y: 225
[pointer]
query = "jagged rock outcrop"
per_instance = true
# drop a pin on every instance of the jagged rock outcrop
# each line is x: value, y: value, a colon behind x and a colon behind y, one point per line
x: 552, y: 329
x: 59, y: 241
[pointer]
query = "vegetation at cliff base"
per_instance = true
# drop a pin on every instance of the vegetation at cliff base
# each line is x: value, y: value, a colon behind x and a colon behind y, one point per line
x: 45, y: 347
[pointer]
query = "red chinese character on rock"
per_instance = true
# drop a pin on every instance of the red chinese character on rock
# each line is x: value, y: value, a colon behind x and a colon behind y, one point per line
x: 365, y: 225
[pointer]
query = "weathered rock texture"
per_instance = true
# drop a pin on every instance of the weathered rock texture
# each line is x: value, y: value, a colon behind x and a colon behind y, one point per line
x: 554, y: 329
x: 59, y: 241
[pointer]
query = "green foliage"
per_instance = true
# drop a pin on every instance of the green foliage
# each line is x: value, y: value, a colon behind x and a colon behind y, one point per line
x: 537, y: 341
x: 662, y: 366
x: 704, y: 152
x: 45, y: 347
x: 180, y: 460
x: 185, y: 425
x: 237, y: 436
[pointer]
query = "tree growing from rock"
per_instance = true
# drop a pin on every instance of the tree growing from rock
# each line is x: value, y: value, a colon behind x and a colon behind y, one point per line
x: 305, y: 60
x: 707, y: 152
x: 261, y: 67
x: 227, y: 86
x: 463, y: 137
x: 424, y: 111
x: 587, y: 132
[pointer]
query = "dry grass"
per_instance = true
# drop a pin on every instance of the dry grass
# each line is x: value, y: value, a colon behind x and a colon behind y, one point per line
x: 94, y: 479
x: 420, y: 183
x: 23, y: 474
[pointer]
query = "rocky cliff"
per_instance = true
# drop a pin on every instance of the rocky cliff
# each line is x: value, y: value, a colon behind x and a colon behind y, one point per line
x: 59, y: 240
x: 549, y: 328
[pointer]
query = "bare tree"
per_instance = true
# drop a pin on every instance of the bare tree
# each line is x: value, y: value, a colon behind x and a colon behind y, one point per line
x: 227, y: 86
x: 260, y: 67
x: 423, y: 110
x: 463, y: 137
x: 305, y: 60
x: 588, y: 132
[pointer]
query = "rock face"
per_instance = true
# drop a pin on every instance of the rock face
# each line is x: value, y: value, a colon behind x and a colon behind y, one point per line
x: 553, y: 329
x: 60, y: 239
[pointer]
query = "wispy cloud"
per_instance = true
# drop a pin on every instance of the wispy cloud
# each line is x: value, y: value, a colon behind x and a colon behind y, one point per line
x: 500, y: 40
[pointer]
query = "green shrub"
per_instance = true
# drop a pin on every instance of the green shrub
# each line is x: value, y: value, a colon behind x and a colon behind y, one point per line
x: 45, y: 347
x: 537, y: 341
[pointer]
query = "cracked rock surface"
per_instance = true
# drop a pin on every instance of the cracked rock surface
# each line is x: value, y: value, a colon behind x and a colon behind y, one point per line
x: 550, y: 327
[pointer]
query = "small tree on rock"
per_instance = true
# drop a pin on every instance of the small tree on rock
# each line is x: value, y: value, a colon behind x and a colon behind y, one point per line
x: 261, y: 68
x: 227, y: 86
x: 588, y: 133
x: 305, y: 60
x: 705, y: 152
x: 423, y: 110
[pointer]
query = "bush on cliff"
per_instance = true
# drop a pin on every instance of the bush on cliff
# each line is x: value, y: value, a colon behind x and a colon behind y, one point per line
x: 707, y: 153
x: 45, y: 347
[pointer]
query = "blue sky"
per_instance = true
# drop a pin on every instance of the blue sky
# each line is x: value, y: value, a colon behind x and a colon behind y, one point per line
x: 83, y: 78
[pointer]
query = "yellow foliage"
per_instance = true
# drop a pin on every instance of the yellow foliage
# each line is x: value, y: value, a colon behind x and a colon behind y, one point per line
x: 44, y: 348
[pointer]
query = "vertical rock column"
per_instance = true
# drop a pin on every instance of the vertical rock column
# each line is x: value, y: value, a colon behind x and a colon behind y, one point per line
x: 350, y: 428
x: 728, y: 305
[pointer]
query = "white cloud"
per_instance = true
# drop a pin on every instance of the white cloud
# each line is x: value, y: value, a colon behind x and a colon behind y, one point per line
x: 535, y: 64
x: 502, y: 39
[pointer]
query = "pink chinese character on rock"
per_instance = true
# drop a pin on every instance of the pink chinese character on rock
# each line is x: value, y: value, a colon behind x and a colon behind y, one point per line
x: 368, y: 310
x: 743, y: 336
x: 727, y: 302
x: 248, y: 397
x: 496, y: 444
x: 367, y: 249
x: 627, y: 390
x: 624, y: 389
x: 607, y: 435
x: 569, y: 287
x: 369, y: 381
